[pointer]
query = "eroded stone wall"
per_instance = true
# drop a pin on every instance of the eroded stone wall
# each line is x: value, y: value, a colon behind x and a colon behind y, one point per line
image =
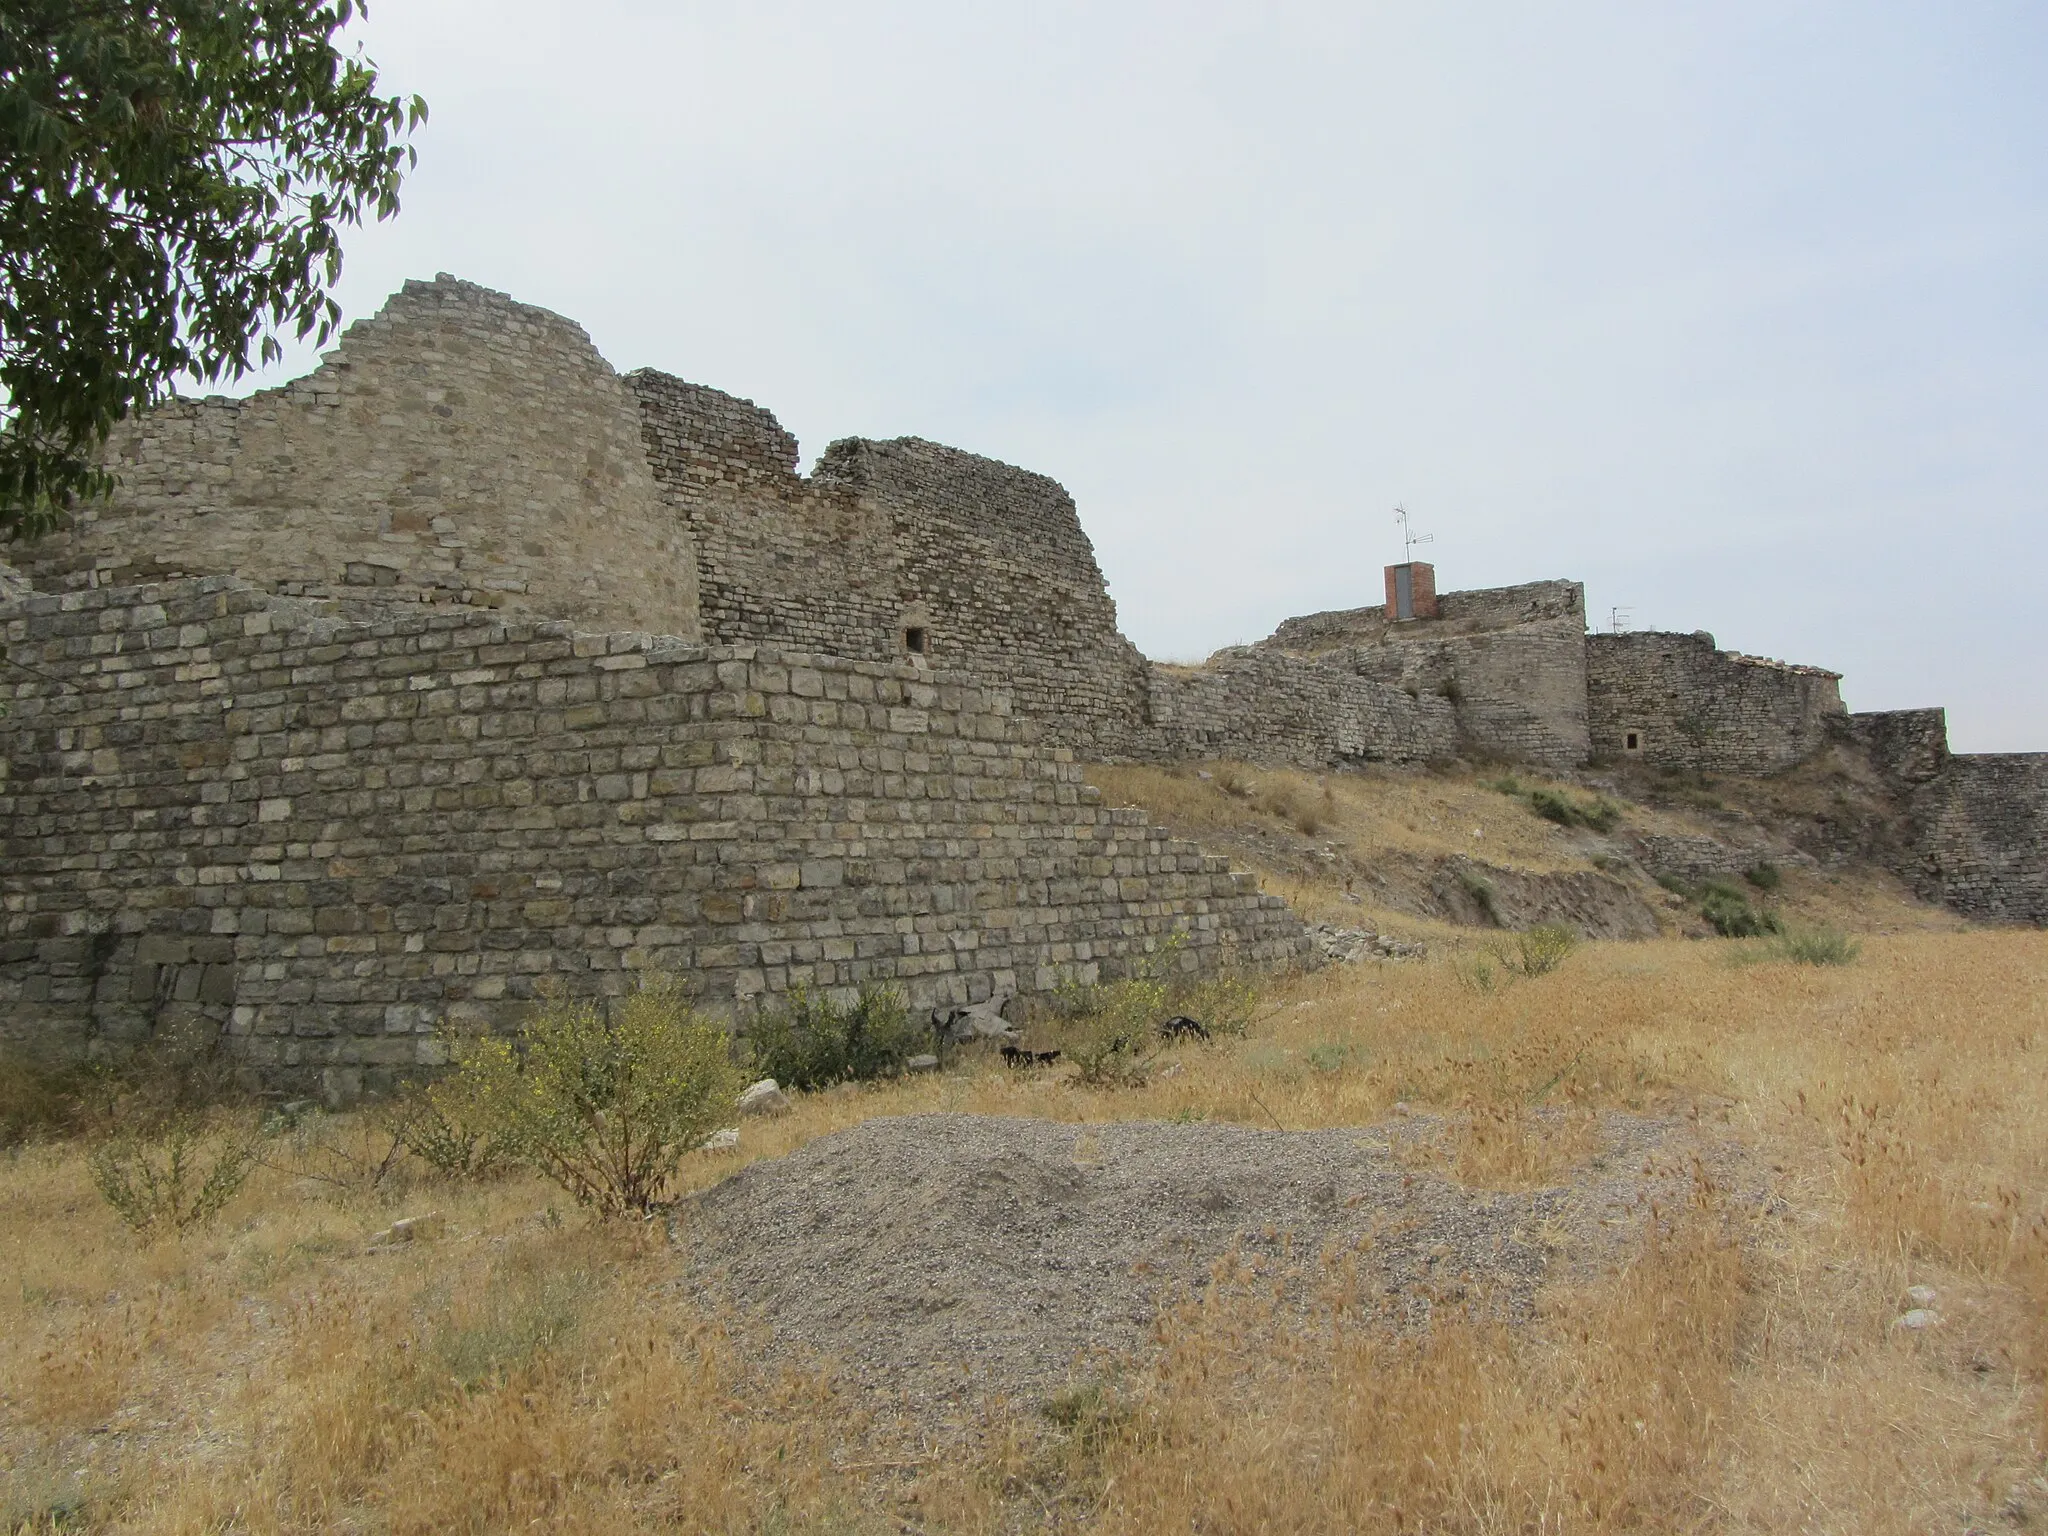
x: 891, y: 546
x: 1981, y: 836
x: 456, y: 447
x: 327, y: 836
x: 1264, y: 707
x: 1688, y: 705
x: 1510, y: 660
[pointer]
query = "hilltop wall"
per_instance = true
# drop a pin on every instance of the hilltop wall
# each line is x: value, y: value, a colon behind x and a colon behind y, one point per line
x: 891, y: 546
x: 1510, y: 660
x: 457, y: 447
x: 1267, y: 708
x: 327, y: 836
x: 1688, y: 705
x: 1981, y: 836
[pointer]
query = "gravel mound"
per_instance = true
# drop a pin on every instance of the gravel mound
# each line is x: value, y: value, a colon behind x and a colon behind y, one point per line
x: 943, y: 1257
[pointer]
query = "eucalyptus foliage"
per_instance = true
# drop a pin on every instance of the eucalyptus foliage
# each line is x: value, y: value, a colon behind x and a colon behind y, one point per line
x: 174, y: 179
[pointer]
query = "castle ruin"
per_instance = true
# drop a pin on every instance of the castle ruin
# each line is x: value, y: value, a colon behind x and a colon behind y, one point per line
x: 463, y: 662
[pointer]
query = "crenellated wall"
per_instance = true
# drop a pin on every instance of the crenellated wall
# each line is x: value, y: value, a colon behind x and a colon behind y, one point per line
x: 457, y: 447
x: 327, y: 836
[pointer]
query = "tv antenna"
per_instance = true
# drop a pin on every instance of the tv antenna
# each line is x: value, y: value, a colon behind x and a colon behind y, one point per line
x: 1409, y: 537
x: 1619, y: 619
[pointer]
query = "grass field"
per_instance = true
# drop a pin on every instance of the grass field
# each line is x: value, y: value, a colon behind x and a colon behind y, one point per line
x: 1744, y: 1370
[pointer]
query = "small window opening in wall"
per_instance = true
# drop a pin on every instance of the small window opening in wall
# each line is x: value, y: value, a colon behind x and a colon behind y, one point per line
x: 1632, y: 741
x: 917, y: 640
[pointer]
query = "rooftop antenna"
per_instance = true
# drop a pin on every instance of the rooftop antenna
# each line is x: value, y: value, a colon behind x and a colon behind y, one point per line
x: 1619, y: 619
x: 1409, y: 537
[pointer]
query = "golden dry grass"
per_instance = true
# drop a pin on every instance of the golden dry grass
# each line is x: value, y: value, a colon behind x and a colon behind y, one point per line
x: 1742, y: 1373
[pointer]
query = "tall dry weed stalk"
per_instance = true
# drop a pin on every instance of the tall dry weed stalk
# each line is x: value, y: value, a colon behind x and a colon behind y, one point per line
x: 1604, y: 1420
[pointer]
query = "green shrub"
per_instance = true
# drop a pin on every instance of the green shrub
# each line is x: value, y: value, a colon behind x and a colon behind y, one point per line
x: 812, y: 1042
x: 165, y: 1182
x: 1480, y: 889
x: 1729, y: 912
x: 606, y: 1107
x: 1764, y: 875
x: 1600, y: 814
x: 1816, y: 946
x: 1542, y: 949
x: 449, y: 1127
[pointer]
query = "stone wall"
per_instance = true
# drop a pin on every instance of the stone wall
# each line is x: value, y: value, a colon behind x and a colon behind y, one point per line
x: 1510, y: 659
x: 1688, y: 705
x: 457, y: 447
x: 1264, y: 707
x: 982, y: 564
x: 1981, y: 837
x: 328, y: 836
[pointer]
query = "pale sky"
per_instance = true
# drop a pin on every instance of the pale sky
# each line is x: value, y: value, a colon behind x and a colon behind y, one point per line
x: 1737, y: 312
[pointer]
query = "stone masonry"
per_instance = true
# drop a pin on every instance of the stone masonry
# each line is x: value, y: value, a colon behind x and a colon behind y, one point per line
x: 457, y: 447
x: 1677, y: 702
x: 328, y: 836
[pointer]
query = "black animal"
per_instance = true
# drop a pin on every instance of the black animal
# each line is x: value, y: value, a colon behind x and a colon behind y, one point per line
x: 1013, y: 1057
x: 1181, y: 1027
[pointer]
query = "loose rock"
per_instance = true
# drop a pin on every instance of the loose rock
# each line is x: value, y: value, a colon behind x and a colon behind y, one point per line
x: 764, y: 1098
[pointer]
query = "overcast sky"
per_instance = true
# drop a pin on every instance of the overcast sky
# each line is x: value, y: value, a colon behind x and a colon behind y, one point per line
x: 1737, y: 312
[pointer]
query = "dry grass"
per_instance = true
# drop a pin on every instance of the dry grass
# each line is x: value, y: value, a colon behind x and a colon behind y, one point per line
x: 1743, y: 1373
x: 1259, y: 812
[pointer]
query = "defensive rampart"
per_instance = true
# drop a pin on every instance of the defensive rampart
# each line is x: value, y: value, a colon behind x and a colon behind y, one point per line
x: 329, y: 836
x: 1510, y: 660
x: 898, y: 549
x: 1267, y: 708
x: 1677, y: 702
x: 457, y: 447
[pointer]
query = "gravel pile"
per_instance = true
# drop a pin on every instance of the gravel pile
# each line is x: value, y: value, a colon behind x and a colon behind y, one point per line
x: 938, y: 1258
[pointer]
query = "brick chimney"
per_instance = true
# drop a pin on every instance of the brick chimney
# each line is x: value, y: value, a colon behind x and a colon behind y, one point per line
x: 1411, y: 591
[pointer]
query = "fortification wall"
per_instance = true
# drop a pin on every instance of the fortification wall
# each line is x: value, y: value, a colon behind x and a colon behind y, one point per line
x: 457, y: 447
x: 1981, y: 836
x: 326, y: 837
x: 1264, y: 707
x: 1689, y: 705
x: 984, y: 564
x: 1510, y: 659
x: 13, y: 585
x: 1908, y: 746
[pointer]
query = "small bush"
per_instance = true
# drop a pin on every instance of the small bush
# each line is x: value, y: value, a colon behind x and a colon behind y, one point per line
x: 451, y: 1129
x: 1543, y: 949
x: 1764, y: 875
x: 1728, y: 912
x: 1599, y: 814
x: 165, y: 1182
x: 811, y: 1042
x: 607, y: 1108
x: 1480, y: 889
x: 1816, y: 946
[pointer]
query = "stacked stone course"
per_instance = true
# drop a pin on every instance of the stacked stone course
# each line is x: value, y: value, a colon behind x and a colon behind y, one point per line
x: 329, y: 836
x: 457, y: 447
x: 1691, y: 706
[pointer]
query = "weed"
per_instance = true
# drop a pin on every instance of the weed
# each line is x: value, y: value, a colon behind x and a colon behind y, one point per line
x: 1764, y: 875
x: 1480, y: 889
x: 1598, y: 814
x: 607, y: 1108
x: 155, y: 1183
x: 1815, y: 946
x: 1729, y: 912
x: 811, y: 1042
x: 449, y: 1127
x: 1543, y: 949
